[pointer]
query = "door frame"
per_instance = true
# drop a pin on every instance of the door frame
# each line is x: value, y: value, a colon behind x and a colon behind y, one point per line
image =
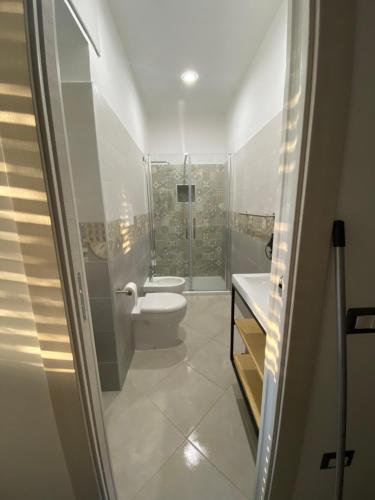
x: 45, y: 78
x: 315, y: 193
x: 318, y: 152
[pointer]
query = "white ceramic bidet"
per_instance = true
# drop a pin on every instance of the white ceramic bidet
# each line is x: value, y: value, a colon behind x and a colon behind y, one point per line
x: 173, y: 284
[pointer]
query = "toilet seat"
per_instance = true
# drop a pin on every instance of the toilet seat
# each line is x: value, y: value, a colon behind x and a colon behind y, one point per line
x: 161, y: 303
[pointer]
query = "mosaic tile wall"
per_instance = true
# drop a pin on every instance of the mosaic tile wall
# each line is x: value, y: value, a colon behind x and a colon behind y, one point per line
x: 256, y: 226
x: 171, y: 220
x: 121, y: 237
x: 249, y: 236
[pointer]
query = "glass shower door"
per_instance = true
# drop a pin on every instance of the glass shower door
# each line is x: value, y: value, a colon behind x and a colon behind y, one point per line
x: 190, y: 196
x: 209, y: 181
x: 170, y: 202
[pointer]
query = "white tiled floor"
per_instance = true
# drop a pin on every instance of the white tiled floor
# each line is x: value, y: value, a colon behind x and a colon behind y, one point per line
x: 179, y: 428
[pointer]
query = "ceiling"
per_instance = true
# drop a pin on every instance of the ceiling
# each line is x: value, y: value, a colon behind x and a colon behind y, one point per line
x: 217, y: 38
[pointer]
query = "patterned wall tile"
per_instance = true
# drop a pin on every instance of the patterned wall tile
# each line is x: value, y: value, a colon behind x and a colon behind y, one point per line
x: 108, y: 240
x: 171, y: 220
x: 256, y: 226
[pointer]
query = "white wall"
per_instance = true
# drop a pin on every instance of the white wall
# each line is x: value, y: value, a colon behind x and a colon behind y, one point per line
x: 105, y: 123
x: 121, y: 166
x: 83, y: 150
x: 87, y: 12
x: 178, y: 133
x: 73, y: 48
x: 256, y: 179
x: 261, y: 95
x: 255, y: 122
x: 112, y: 76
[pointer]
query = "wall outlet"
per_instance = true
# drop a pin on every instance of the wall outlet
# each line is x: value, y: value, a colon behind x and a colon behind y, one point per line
x: 329, y: 459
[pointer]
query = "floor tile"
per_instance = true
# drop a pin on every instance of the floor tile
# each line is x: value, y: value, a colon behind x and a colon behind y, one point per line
x: 185, y: 396
x: 192, y: 340
x: 207, y: 325
x: 208, y: 314
x: 220, y: 305
x: 213, y: 362
x: 108, y: 397
x: 224, y: 338
x: 189, y: 476
x: 182, y: 388
x: 150, y: 367
x: 223, y: 437
x: 140, y: 440
x: 128, y: 397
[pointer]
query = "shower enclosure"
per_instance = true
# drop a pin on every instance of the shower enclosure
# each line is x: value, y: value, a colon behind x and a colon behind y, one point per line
x: 189, y: 219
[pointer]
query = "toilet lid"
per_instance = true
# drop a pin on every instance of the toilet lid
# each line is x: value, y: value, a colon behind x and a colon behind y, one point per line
x: 162, y: 302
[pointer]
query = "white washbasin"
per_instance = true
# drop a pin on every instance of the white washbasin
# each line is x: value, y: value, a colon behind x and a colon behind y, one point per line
x: 255, y: 290
x: 173, y: 284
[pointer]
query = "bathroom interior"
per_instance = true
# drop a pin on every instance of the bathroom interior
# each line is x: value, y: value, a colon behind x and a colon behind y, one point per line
x: 173, y: 113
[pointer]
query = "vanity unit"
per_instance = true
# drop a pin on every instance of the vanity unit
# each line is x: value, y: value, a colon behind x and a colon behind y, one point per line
x: 249, y: 319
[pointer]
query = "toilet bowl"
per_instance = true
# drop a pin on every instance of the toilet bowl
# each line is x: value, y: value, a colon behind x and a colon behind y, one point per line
x: 156, y: 318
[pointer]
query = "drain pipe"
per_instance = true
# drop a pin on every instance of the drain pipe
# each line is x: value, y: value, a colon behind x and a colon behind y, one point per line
x: 338, y: 234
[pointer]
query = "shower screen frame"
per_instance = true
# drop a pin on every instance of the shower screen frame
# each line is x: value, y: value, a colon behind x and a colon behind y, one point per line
x: 190, y: 219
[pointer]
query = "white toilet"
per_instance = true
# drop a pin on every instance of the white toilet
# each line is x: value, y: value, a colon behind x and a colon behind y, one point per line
x: 156, y: 318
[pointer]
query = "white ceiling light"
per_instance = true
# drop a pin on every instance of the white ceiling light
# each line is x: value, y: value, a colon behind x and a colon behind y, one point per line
x: 189, y: 77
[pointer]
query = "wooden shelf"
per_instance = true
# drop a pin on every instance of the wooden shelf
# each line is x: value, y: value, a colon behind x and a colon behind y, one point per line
x: 247, y: 326
x: 254, y: 340
x: 251, y: 383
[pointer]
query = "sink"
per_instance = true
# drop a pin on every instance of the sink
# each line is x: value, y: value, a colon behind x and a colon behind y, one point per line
x: 255, y: 290
x: 173, y: 284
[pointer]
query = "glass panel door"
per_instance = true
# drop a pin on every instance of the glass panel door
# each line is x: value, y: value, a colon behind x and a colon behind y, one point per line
x: 190, y: 197
x: 170, y: 200
x: 209, y: 219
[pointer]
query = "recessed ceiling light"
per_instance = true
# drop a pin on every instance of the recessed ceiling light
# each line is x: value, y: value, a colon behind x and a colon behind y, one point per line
x: 189, y: 77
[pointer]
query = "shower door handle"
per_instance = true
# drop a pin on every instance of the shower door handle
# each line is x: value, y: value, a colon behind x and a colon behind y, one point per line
x: 194, y: 230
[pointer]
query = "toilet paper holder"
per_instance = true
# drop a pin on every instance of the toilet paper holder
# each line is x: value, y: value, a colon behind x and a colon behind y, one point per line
x: 125, y: 291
